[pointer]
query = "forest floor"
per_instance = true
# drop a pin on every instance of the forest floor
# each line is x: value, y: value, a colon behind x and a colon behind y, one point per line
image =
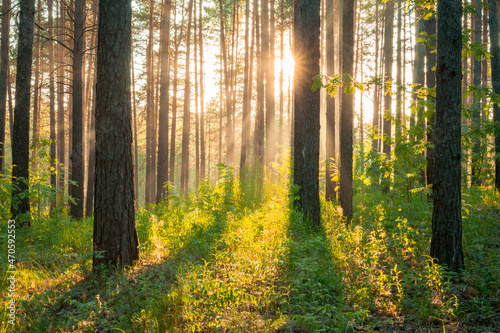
x: 220, y: 265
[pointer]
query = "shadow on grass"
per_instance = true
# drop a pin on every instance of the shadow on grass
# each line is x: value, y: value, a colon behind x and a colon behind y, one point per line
x: 138, y: 300
x: 315, y: 295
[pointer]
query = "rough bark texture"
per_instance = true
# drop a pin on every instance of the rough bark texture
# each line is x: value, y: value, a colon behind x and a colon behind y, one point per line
x: 431, y: 83
x: 495, y: 80
x: 61, y: 132
x: 77, y: 163
x: 21, y: 136
x: 347, y: 112
x: 306, y: 50
x: 446, y: 242
x: 4, y: 69
x: 330, y: 193
x: 162, y: 176
x: 476, y: 105
x: 115, y: 237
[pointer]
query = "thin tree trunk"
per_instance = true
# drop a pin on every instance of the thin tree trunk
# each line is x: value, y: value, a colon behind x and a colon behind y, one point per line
x: 431, y: 83
x: 162, y: 176
x: 399, y: 79
x: 245, y: 126
x: 37, y: 90
x: 52, y: 99
x: 4, y: 76
x: 259, y: 119
x: 376, y: 101
x: 229, y: 126
x: 476, y: 106
x: 202, y: 97
x: 495, y: 80
x: 281, y: 139
x: 150, y: 129
x: 270, y: 102
x: 196, y: 100
x: 186, y: 120
x: 330, y: 192
x: 77, y: 162
x: 61, y: 134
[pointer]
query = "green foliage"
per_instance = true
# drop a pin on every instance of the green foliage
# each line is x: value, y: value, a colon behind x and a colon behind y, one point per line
x: 218, y: 263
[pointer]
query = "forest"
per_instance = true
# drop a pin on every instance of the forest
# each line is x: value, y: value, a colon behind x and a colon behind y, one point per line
x: 250, y: 166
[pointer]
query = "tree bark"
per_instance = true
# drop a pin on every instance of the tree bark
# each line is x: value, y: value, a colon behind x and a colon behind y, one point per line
x: 186, y: 119
x: 245, y: 126
x: 115, y: 237
x: 446, y: 242
x: 4, y: 72
x: 476, y: 105
x: 431, y: 83
x: 270, y: 98
x: 162, y: 176
x: 61, y: 133
x: 306, y: 51
x: 52, y: 100
x: 202, y: 97
x: 37, y: 90
x: 347, y: 112
x: 495, y: 81
x: 330, y: 192
x: 150, y: 113
x: 76, y: 190
x: 20, y: 204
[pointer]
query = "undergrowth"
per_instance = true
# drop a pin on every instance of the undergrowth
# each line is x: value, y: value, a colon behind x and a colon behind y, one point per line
x: 233, y: 260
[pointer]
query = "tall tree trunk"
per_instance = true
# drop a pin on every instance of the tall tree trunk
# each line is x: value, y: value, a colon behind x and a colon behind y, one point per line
x: 418, y: 70
x: 77, y: 163
x: 431, y: 83
x: 4, y: 72
x: 61, y: 134
x: 399, y: 79
x: 306, y: 51
x: 162, y: 176
x: 52, y: 99
x: 347, y: 112
x: 330, y: 193
x: 37, y: 90
x: 376, y: 101
x: 196, y: 100
x: 495, y: 80
x: 259, y: 118
x: 446, y: 241
x: 20, y: 204
x: 115, y: 237
x: 388, y: 58
x: 229, y: 126
x: 245, y: 126
x: 150, y: 128
x: 270, y: 102
x: 281, y: 139
x: 476, y: 106
x: 136, y: 135
x: 202, y: 97
x: 186, y: 119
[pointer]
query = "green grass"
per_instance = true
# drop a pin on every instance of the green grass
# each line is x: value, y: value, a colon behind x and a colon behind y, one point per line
x: 222, y: 263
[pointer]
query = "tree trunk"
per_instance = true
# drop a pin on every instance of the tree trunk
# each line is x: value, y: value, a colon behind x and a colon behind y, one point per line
x: 52, y: 99
x: 4, y: 72
x: 202, y: 97
x: 61, y: 133
x: 495, y: 81
x: 115, y: 237
x: 476, y: 106
x: 259, y: 118
x: 281, y: 139
x: 162, y: 176
x: 388, y: 58
x: 431, y: 83
x: 347, y: 112
x: 245, y: 126
x: 76, y: 190
x: 20, y: 204
x: 37, y: 90
x: 376, y: 100
x: 418, y: 71
x: 330, y: 192
x: 270, y: 102
x: 150, y: 128
x: 446, y: 242
x: 399, y: 79
x: 186, y: 119
x: 307, y: 107
x: 229, y: 126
